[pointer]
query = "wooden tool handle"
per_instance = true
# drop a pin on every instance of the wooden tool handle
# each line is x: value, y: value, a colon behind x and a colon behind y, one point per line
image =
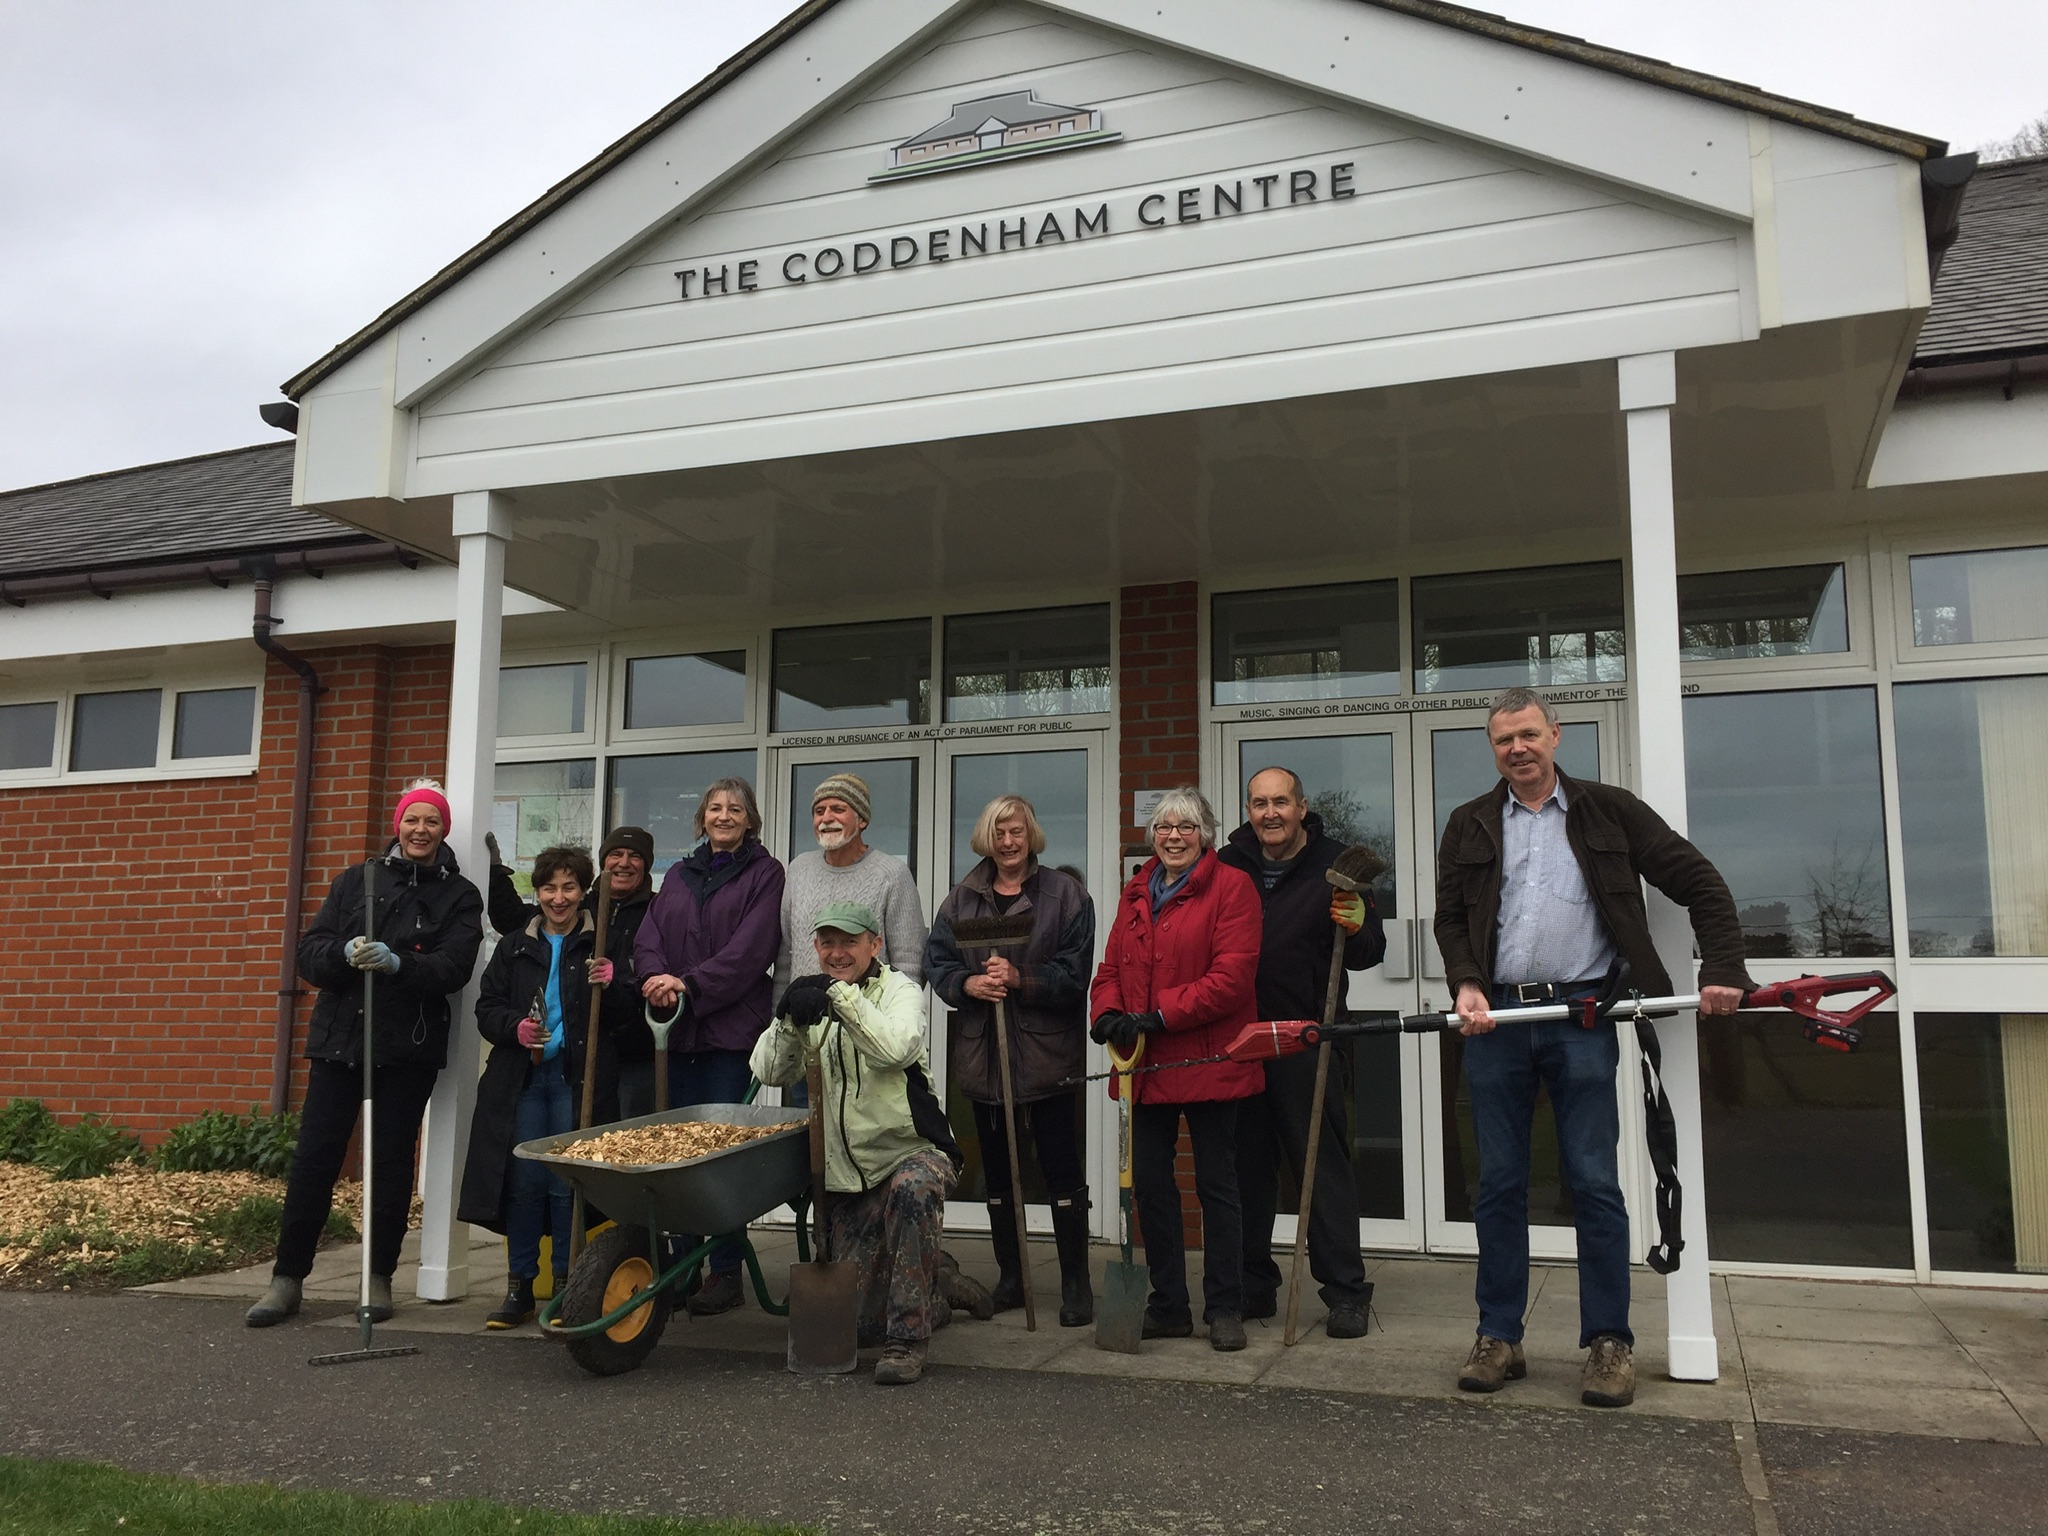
x: 1331, y: 999
x: 1016, y: 1169
x: 814, y: 1082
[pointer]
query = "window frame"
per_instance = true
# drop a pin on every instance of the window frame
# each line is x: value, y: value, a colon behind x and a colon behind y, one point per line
x: 594, y: 693
x: 170, y: 686
x: 1784, y: 671
x: 1972, y: 655
x: 660, y: 738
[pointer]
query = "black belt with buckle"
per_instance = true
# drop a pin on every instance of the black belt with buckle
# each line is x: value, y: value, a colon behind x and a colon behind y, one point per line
x: 1533, y: 994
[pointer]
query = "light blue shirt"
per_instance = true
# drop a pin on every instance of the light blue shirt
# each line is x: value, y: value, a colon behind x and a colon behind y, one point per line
x: 553, y: 995
x: 1549, y: 928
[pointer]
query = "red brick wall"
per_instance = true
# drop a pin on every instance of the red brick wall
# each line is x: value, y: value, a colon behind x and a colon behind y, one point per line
x: 143, y: 920
x: 1159, y: 722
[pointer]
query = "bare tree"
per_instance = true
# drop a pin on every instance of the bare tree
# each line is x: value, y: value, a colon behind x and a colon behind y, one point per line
x: 1848, y: 901
x: 2032, y: 139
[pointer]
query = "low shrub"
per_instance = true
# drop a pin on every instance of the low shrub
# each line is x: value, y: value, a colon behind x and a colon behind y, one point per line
x: 220, y: 1142
x: 23, y: 1125
x: 86, y: 1150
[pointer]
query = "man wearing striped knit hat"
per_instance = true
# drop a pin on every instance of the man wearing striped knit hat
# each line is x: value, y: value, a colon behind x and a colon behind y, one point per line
x: 844, y: 868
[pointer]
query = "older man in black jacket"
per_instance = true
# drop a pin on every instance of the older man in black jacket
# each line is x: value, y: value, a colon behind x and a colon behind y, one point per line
x: 1283, y: 847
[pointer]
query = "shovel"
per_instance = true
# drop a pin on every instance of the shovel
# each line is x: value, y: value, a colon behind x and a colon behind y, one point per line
x: 823, y: 1294
x: 659, y: 1028
x: 1120, y: 1318
x: 991, y: 934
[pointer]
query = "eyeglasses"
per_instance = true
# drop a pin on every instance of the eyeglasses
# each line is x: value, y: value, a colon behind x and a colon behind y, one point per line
x: 1177, y: 828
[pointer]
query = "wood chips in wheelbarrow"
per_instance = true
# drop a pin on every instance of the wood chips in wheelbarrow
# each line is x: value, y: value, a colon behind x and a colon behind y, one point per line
x: 674, y: 1143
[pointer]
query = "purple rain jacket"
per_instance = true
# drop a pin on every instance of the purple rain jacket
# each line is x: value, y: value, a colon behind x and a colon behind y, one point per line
x: 718, y: 929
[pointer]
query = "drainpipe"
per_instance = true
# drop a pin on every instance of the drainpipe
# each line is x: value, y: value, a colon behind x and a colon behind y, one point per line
x: 295, y: 860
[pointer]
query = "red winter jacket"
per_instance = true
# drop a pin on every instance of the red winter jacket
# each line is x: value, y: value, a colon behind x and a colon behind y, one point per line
x: 1198, y: 968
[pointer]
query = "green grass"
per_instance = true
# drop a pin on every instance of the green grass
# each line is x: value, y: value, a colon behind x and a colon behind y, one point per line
x: 59, y: 1498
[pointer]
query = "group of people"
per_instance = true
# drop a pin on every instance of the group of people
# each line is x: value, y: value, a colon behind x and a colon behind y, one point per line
x: 762, y: 968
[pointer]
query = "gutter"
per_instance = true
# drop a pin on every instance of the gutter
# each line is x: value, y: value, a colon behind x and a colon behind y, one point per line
x: 22, y: 591
x: 310, y: 689
x: 2003, y: 373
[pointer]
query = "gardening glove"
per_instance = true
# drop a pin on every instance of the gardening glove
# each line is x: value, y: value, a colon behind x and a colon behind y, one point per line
x: 1132, y: 1027
x: 598, y: 972
x: 491, y: 845
x: 1347, y: 910
x: 370, y: 955
x: 533, y: 1033
x: 1104, y: 1025
x: 806, y: 1002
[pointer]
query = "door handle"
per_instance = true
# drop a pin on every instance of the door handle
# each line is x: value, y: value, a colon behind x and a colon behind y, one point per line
x: 1399, y: 964
x: 1432, y: 957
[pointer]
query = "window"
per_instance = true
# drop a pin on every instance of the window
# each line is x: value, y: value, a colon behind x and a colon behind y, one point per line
x: 1349, y: 781
x: 1006, y: 666
x: 853, y: 675
x: 1794, y: 610
x: 214, y: 722
x: 1979, y: 596
x: 1784, y: 797
x: 1553, y: 627
x: 1306, y: 643
x: 541, y: 805
x: 661, y: 794
x: 892, y: 795
x: 1805, y: 1148
x: 115, y: 730
x: 1972, y: 783
x: 1984, y: 1127
x: 542, y: 701
x: 28, y: 735
x: 1056, y: 784
x: 665, y: 692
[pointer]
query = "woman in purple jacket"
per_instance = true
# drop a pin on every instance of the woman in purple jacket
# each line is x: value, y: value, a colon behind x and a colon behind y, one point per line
x: 706, y: 949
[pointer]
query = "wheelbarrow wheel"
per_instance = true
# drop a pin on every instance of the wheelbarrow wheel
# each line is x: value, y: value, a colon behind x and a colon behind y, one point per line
x: 614, y: 1265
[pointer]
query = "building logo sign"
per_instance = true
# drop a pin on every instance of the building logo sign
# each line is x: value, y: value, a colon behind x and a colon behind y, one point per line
x: 1009, y: 126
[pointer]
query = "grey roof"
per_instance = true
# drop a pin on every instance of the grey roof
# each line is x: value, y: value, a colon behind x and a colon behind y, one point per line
x: 1011, y: 109
x: 1991, y: 300
x: 217, y: 504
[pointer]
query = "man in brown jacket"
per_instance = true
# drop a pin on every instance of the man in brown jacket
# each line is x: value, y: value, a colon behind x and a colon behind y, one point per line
x: 1538, y: 894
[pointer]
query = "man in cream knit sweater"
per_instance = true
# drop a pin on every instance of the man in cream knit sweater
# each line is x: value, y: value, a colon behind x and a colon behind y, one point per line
x: 845, y: 868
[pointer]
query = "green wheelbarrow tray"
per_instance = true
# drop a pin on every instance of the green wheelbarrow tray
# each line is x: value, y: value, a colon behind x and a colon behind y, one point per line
x: 718, y: 1193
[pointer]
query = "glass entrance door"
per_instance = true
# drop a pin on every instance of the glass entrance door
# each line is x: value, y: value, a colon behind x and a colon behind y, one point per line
x: 1453, y: 763
x: 1359, y: 783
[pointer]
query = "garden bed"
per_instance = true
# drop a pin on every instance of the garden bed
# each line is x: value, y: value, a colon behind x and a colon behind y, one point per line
x: 137, y: 1225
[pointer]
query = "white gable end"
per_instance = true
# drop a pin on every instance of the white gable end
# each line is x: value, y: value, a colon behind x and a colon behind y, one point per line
x: 1243, y: 240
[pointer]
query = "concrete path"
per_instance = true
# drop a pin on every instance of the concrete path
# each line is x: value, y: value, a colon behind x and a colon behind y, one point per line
x: 1918, y: 1360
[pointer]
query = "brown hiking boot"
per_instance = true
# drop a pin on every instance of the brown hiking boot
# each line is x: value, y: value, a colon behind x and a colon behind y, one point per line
x: 902, y: 1363
x: 1609, y: 1380
x: 1491, y: 1362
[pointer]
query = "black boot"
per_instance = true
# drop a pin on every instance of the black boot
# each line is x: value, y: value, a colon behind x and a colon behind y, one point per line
x: 1002, y: 1234
x: 517, y: 1307
x: 1070, y: 1231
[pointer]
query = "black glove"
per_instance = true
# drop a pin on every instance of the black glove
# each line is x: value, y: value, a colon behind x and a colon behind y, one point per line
x: 806, y: 1002
x: 1122, y: 1031
x: 1104, y: 1025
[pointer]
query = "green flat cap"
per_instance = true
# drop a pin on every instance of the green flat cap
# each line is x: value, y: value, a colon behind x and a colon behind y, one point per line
x: 847, y: 917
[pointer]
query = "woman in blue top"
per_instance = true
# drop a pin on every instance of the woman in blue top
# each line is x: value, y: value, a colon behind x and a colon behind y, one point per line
x: 533, y: 1006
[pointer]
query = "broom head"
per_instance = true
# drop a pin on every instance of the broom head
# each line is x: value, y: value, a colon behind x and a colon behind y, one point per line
x: 1355, y: 868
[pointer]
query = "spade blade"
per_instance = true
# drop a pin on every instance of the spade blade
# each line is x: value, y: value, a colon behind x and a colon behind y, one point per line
x: 1120, y: 1315
x: 823, y: 1311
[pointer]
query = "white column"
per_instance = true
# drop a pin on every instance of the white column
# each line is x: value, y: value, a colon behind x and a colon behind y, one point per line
x: 1649, y: 388
x: 482, y: 523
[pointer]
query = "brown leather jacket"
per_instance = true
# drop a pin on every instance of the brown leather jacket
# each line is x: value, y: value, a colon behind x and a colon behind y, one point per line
x: 1620, y: 842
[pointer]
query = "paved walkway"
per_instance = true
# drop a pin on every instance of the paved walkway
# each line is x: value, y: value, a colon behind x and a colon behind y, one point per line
x: 1920, y: 1360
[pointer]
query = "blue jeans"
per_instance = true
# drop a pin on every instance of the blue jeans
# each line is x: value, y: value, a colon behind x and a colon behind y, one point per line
x: 1576, y: 1067
x: 539, y: 1201
x: 709, y: 1077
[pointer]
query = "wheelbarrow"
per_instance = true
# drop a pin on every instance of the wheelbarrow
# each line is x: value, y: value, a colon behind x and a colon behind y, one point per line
x: 617, y: 1300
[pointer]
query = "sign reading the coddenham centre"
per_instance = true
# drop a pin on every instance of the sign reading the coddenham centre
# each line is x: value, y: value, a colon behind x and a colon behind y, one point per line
x: 1030, y: 229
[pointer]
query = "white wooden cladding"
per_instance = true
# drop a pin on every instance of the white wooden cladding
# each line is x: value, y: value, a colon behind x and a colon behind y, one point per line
x: 1448, y: 261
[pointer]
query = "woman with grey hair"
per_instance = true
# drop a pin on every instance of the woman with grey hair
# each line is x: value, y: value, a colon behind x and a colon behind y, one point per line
x: 1178, y: 977
x: 704, y: 952
x: 1043, y: 984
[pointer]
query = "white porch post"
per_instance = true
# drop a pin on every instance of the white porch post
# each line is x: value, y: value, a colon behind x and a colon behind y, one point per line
x: 482, y: 523
x: 1649, y: 388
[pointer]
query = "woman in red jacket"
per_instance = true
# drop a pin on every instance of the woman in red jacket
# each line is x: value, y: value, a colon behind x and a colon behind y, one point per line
x: 1179, y: 971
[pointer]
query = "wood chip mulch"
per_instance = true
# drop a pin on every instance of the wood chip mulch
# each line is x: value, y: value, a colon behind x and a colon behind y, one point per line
x: 673, y: 1143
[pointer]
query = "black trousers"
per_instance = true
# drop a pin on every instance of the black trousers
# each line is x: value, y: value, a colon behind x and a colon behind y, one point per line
x: 1212, y: 1127
x: 1054, y: 1135
x: 334, y: 1097
x: 1274, y: 1125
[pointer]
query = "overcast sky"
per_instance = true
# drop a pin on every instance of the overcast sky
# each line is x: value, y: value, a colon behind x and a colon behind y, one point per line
x: 199, y: 198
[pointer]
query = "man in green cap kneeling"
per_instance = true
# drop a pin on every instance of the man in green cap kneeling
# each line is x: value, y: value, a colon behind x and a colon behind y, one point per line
x: 890, y: 1157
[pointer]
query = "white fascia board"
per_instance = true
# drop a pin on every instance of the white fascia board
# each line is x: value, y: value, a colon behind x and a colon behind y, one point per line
x: 714, y: 141
x: 1963, y: 437
x: 1662, y: 141
x: 352, y: 439
x: 341, y: 607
